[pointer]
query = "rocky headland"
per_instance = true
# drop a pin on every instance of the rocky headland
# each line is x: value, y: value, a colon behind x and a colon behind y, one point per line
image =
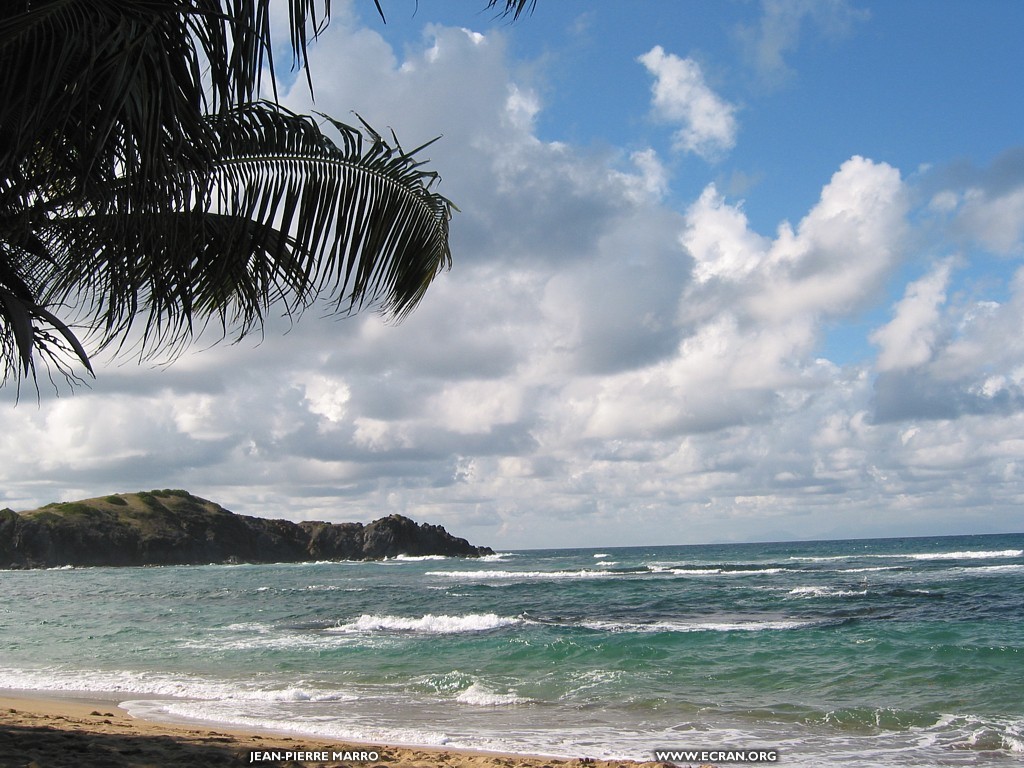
x: 173, y: 527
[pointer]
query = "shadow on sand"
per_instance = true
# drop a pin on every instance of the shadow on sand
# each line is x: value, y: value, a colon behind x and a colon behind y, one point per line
x: 28, y: 746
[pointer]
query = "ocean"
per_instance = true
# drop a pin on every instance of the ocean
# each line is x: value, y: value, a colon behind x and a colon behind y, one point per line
x: 886, y: 652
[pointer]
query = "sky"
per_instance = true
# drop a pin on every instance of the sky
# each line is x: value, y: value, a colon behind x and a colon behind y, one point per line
x: 723, y: 271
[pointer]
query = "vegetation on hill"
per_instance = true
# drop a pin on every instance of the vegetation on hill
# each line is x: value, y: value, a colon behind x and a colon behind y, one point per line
x: 173, y: 527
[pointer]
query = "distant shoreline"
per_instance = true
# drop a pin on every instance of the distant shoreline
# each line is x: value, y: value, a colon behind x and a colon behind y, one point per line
x: 174, y: 527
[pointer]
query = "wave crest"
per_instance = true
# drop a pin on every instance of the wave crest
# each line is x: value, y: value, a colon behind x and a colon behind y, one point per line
x: 428, y: 624
x: 478, y: 695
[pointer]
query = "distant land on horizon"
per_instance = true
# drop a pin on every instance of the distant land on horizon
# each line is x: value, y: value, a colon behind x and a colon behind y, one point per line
x: 174, y: 527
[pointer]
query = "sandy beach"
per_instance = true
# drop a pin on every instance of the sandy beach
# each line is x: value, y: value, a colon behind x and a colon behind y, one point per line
x: 37, y: 732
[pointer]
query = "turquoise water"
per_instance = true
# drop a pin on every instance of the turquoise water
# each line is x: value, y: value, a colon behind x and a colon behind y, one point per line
x: 905, y: 652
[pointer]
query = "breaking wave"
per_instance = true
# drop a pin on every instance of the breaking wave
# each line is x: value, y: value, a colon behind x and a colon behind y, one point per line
x: 428, y: 624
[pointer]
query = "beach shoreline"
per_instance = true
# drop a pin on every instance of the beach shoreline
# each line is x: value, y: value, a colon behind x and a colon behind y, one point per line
x: 52, y: 731
x: 894, y: 652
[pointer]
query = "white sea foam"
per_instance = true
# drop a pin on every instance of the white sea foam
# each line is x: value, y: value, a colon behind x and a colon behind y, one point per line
x: 414, y: 558
x: 585, y: 682
x: 984, y: 554
x: 706, y: 626
x: 660, y: 568
x: 676, y: 570
x: 428, y: 624
x: 294, y: 694
x: 499, y: 575
x: 970, y: 732
x: 478, y: 695
x: 587, y: 573
x: 122, y: 681
x: 826, y: 592
x: 476, y: 729
x: 663, y: 567
x: 599, y: 555
x: 1012, y: 568
x: 227, y: 713
x: 449, y: 682
x: 497, y: 557
x: 274, y: 641
x: 326, y: 588
x: 968, y: 555
x: 870, y: 569
x: 158, y: 684
x: 679, y: 570
x: 812, y: 591
x: 247, y: 626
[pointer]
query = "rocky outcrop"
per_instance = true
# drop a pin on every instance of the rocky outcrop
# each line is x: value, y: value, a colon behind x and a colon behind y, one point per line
x: 177, y: 528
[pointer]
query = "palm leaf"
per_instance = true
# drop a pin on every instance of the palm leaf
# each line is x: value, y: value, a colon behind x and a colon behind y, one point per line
x: 514, y: 8
x: 28, y: 330
x: 281, y: 216
x: 141, y: 186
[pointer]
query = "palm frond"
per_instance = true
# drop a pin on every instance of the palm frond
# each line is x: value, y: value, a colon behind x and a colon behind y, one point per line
x: 514, y: 8
x: 141, y: 185
x: 29, y: 331
x: 281, y: 216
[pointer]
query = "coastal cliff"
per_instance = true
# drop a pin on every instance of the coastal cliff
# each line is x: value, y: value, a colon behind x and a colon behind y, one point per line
x: 174, y: 527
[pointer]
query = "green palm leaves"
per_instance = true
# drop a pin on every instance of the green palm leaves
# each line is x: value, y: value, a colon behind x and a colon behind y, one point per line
x: 145, y: 192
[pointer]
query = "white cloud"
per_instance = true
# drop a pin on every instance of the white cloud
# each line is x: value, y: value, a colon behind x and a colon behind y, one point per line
x: 944, y: 202
x: 602, y: 358
x: 909, y: 338
x: 327, y: 396
x: 680, y: 95
x: 521, y: 107
x: 995, y: 220
x: 844, y: 248
x: 652, y: 178
x: 777, y: 33
x: 477, y: 406
x: 830, y: 264
x: 751, y: 319
x: 973, y: 364
x: 719, y: 239
x: 982, y: 207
